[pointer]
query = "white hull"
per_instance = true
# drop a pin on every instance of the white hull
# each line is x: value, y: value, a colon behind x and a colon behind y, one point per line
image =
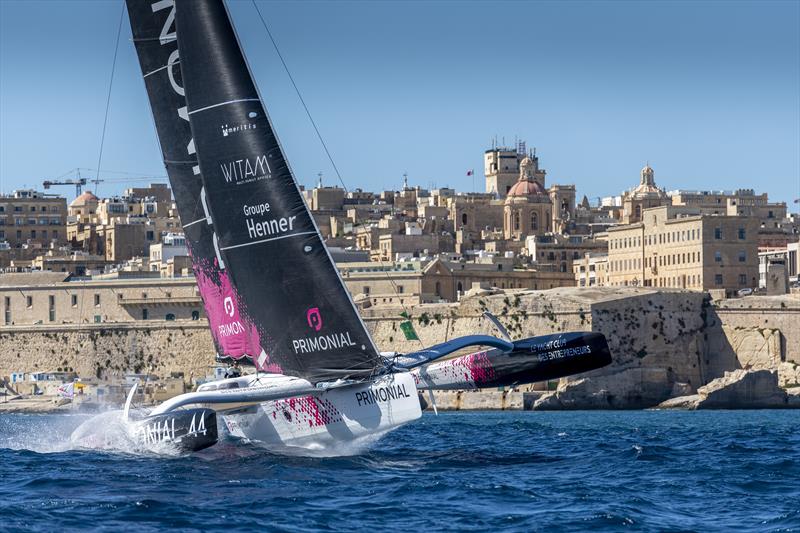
x: 331, y: 422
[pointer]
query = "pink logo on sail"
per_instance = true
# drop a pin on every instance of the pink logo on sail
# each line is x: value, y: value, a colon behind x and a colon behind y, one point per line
x: 314, y: 318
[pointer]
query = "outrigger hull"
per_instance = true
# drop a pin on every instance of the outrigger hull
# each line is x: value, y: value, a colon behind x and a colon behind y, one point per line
x: 188, y: 430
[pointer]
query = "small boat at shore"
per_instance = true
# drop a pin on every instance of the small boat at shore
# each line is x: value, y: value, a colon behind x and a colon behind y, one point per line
x: 271, y: 291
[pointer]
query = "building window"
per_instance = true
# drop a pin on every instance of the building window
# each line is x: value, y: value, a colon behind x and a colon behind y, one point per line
x: 516, y: 220
x: 195, y: 315
x: 400, y: 289
x: 51, y: 300
x: 8, y: 310
x: 742, y: 234
x: 718, y: 279
x: 74, y: 300
x: 534, y: 221
x: 742, y: 257
x: 366, y: 290
x: 97, y: 300
x: 460, y: 287
x: 742, y: 279
x: 718, y: 257
x: 718, y: 233
x: 170, y: 316
x: 144, y: 314
x: 29, y: 301
x: 464, y: 219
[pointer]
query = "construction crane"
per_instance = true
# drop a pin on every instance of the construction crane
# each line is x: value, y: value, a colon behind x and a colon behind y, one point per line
x: 77, y: 183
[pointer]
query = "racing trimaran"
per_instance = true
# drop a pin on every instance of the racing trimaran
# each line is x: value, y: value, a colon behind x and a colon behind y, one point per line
x: 271, y: 291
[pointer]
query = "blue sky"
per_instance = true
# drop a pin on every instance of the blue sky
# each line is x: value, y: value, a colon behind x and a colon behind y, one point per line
x: 707, y: 92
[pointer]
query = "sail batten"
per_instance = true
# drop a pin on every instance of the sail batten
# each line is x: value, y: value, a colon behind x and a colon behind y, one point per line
x: 264, y: 233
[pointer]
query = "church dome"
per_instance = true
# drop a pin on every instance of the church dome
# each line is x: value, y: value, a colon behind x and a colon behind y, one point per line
x: 84, y: 199
x: 526, y: 188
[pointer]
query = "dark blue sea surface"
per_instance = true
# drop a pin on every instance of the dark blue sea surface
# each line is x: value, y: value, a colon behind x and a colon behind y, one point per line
x: 478, y: 471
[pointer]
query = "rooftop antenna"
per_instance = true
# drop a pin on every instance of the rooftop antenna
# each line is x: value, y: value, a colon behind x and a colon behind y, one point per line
x: 319, y: 183
x: 405, y: 181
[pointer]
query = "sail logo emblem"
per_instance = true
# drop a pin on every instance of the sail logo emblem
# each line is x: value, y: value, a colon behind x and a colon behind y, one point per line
x: 228, y: 304
x: 246, y: 170
x: 227, y: 130
x: 314, y: 318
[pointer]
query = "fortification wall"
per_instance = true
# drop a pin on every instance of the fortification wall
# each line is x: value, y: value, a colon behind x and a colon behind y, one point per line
x: 110, y: 350
x: 664, y: 342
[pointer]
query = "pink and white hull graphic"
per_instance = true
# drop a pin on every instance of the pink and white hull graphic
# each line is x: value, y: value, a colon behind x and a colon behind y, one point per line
x: 332, y: 421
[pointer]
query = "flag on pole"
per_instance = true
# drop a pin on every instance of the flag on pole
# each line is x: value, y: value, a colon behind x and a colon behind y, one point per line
x: 470, y: 172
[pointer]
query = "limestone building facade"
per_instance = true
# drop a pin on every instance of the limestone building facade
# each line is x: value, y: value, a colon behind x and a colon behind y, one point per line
x: 28, y: 216
x: 51, y: 298
x: 680, y: 247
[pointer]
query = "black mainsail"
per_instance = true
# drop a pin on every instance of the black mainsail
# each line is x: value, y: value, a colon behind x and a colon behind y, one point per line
x: 153, y: 28
x: 269, y: 243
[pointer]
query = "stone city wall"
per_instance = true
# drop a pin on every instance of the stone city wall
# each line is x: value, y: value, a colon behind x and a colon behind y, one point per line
x: 664, y: 343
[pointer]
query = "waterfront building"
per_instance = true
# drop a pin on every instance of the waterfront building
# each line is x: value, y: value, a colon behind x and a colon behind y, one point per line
x: 681, y: 247
x: 441, y: 279
x: 743, y: 202
x: 31, y: 217
x: 121, y: 227
x: 53, y: 298
x: 74, y: 262
x: 591, y: 270
x: 171, y: 248
x: 559, y: 252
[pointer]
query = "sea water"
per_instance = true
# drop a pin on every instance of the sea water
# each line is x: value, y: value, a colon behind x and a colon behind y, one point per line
x: 477, y: 471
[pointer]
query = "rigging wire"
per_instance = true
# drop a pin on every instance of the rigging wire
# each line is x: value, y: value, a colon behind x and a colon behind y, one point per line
x: 300, y: 96
x: 330, y: 157
x: 108, y: 96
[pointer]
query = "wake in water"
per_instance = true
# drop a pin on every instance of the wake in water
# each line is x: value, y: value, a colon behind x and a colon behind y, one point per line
x: 110, y: 432
x: 107, y: 431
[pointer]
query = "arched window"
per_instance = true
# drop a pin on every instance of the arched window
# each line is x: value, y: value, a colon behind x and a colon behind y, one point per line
x: 438, y: 289
x: 460, y: 287
x: 547, y: 220
x: 464, y: 219
x: 169, y: 316
x: 638, y: 211
x: 534, y: 221
x: 516, y: 220
x: 195, y: 315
